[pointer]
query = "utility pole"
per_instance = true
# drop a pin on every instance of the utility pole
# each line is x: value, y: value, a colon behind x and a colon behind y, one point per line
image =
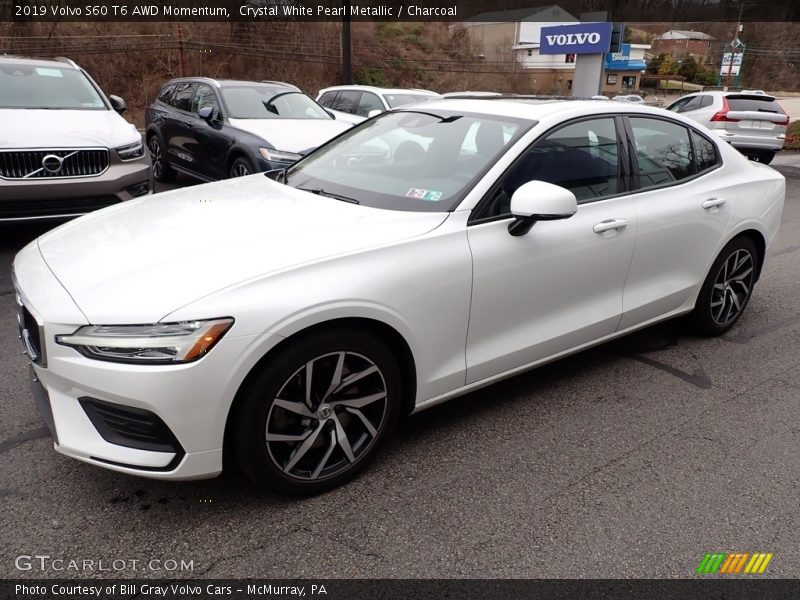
x: 734, y: 44
x: 347, y: 76
x: 180, y: 53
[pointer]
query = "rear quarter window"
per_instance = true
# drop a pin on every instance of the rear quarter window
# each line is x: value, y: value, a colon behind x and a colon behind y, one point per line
x: 166, y: 93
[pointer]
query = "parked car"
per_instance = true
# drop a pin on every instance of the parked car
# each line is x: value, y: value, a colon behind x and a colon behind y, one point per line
x: 64, y: 148
x: 364, y: 101
x: 288, y: 324
x: 638, y: 99
x: 752, y: 122
x: 473, y: 94
x: 629, y: 98
x: 217, y: 128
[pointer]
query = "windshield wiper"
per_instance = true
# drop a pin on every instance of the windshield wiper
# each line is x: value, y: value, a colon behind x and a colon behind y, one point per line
x: 321, y: 192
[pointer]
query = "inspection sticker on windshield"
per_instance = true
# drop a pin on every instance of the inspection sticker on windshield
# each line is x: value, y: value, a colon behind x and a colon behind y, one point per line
x: 424, y: 194
x: 49, y: 72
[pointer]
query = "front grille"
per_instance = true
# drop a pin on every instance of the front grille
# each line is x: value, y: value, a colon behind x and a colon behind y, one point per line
x: 31, y: 164
x: 10, y: 209
x: 130, y: 427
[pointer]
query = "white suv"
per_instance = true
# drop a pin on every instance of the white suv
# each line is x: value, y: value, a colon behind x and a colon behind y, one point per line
x: 64, y: 148
x: 359, y: 102
x: 752, y: 122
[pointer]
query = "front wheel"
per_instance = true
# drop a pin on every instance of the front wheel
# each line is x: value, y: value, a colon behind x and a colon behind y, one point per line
x: 727, y: 288
x: 241, y: 167
x: 318, y: 412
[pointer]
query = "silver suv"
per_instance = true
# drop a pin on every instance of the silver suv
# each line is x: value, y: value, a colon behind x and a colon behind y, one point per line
x: 753, y: 123
x: 64, y: 148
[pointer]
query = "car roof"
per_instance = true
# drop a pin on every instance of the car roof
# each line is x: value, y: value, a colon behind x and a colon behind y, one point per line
x: 724, y: 94
x: 60, y: 63
x: 233, y: 82
x: 534, y: 108
x: 382, y: 90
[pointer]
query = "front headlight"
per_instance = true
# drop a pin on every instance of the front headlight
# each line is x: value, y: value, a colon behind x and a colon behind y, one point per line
x: 131, y: 151
x: 278, y: 155
x: 159, y: 343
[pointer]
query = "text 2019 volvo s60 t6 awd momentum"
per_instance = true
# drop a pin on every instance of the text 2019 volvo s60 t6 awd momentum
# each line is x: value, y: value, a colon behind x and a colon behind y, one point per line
x: 289, y: 321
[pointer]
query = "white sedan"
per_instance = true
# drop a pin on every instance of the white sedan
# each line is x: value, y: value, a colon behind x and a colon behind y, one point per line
x: 289, y: 324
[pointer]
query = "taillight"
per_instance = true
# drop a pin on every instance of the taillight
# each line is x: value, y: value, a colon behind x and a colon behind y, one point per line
x: 723, y: 114
x: 783, y: 112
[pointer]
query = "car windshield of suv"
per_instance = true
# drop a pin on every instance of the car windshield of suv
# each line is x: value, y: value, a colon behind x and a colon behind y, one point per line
x: 395, y: 100
x: 409, y: 160
x: 28, y: 86
x: 266, y: 102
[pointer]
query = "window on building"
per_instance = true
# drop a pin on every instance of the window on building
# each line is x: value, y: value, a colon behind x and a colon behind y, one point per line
x: 570, y: 58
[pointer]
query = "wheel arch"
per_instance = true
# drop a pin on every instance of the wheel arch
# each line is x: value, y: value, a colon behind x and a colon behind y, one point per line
x: 385, y: 332
x: 760, y: 242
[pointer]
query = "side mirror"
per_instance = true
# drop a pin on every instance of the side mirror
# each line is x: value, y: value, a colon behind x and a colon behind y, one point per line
x: 373, y: 113
x: 278, y: 175
x: 118, y: 104
x: 539, y: 201
x: 206, y: 113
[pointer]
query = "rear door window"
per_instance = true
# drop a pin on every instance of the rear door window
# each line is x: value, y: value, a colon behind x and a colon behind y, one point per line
x: 663, y: 151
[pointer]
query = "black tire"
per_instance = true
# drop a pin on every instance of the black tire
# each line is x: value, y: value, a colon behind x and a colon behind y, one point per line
x: 161, y: 169
x: 316, y: 460
x: 727, y: 288
x: 766, y: 157
x: 241, y: 167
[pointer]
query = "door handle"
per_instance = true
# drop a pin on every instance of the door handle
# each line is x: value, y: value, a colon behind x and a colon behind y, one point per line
x: 610, y: 224
x: 189, y: 124
x: 713, y: 203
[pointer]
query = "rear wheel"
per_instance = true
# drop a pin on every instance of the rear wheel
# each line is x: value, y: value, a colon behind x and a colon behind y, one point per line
x: 318, y: 412
x: 766, y: 156
x: 727, y: 288
x: 161, y: 169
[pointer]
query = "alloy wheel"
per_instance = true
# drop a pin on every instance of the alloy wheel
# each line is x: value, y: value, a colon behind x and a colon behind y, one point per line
x: 326, y: 416
x: 732, y: 287
x: 155, y: 155
x: 239, y: 169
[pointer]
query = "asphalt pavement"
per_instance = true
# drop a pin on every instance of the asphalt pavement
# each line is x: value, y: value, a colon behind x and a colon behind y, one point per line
x: 633, y: 459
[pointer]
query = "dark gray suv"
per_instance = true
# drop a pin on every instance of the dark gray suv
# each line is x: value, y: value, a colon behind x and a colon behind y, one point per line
x: 64, y: 148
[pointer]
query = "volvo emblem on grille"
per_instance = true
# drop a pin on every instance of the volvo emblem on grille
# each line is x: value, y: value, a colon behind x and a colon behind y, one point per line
x: 52, y: 163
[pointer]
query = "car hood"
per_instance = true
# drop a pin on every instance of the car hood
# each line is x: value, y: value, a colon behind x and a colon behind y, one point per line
x: 292, y: 135
x: 34, y: 128
x: 141, y: 260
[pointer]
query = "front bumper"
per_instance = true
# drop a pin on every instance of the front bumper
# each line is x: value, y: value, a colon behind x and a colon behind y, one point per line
x: 48, y: 198
x: 191, y: 400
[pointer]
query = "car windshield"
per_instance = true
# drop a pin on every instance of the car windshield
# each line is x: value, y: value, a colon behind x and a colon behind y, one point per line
x: 28, y: 86
x: 267, y: 102
x: 409, y: 160
x: 395, y: 100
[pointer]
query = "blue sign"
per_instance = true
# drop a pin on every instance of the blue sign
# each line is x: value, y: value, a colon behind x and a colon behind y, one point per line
x: 581, y: 38
x: 621, y: 61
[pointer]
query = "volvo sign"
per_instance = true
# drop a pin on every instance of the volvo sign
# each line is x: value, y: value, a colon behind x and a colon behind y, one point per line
x: 581, y: 38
